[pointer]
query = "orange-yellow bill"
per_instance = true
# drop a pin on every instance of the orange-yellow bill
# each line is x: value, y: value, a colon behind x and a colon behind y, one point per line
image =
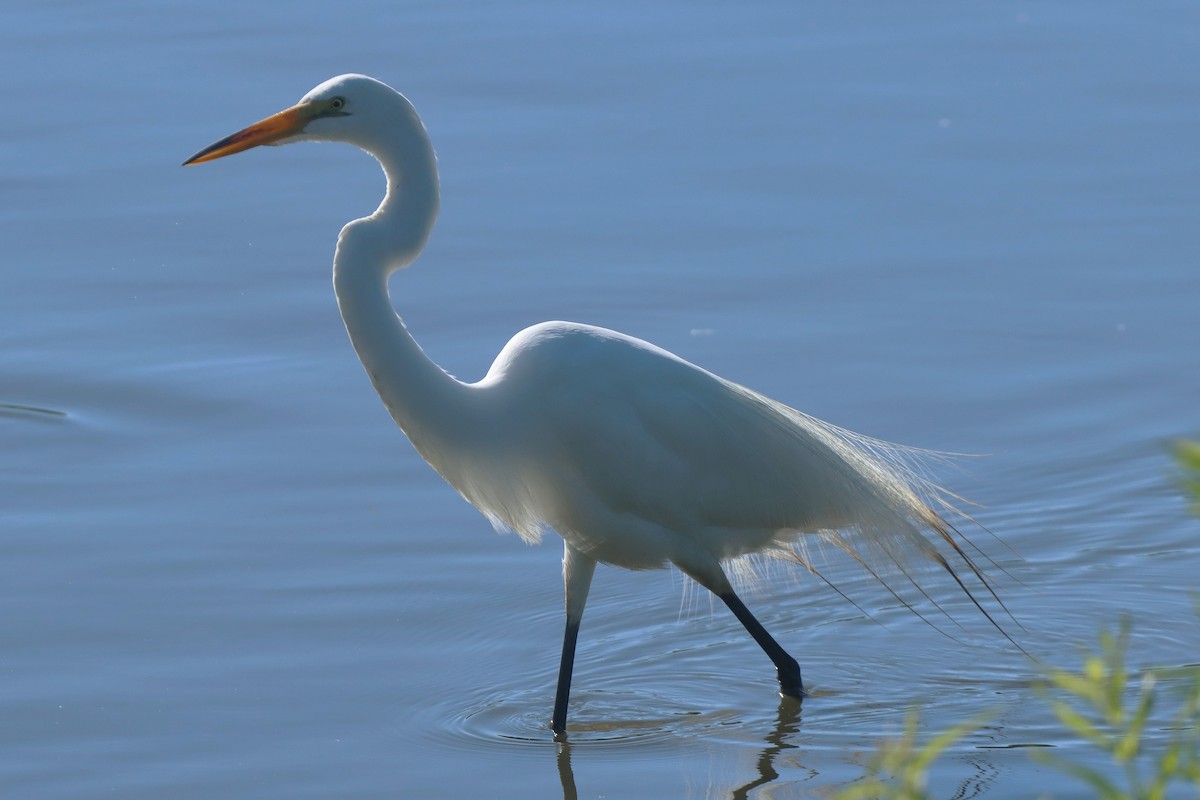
x: 275, y: 127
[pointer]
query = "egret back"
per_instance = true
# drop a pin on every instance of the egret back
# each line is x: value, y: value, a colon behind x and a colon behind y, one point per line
x: 638, y: 457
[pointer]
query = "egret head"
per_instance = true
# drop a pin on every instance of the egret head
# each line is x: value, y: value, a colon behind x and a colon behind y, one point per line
x: 348, y: 108
x: 375, y: 117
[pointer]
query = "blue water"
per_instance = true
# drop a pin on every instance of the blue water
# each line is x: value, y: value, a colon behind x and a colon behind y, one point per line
x: 223, y: 572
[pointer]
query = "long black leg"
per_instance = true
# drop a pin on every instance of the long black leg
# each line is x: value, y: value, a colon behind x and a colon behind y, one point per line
x: 577, y: 580
x: 786, y: 667
x: 558, y: 723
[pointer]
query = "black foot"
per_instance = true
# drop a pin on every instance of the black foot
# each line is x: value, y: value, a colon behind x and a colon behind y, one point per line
x: 790, y: 684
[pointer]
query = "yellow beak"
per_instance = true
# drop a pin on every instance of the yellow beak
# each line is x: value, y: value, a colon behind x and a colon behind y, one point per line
x: 278, y: 126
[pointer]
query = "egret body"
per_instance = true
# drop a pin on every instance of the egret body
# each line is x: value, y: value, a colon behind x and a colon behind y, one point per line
x: 632, y: 455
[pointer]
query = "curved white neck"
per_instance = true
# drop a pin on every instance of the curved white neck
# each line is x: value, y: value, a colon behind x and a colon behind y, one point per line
x: 421, y: 397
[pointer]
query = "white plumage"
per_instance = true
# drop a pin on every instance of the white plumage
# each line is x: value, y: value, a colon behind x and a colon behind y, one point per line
x: 634, y: 456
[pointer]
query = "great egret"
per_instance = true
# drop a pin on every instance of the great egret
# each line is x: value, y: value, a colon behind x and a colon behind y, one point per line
x: 634, y: 456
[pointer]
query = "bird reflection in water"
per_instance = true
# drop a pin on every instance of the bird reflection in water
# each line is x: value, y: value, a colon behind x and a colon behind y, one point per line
x: 787, y: 725
x: 981, y: 772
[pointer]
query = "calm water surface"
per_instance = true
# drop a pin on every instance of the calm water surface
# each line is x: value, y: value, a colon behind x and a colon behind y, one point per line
x: 225, y: 574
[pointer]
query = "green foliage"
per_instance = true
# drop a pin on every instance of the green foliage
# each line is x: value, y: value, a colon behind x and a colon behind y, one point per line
x: 1102, y: 706
x: 1188, y: 455
x: 899, y: 768
x: 1099, y: 704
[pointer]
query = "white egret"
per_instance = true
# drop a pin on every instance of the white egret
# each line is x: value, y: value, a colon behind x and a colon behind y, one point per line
x: 632, y: 455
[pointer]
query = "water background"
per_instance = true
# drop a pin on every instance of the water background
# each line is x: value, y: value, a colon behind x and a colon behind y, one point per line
x: 223, y: 573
